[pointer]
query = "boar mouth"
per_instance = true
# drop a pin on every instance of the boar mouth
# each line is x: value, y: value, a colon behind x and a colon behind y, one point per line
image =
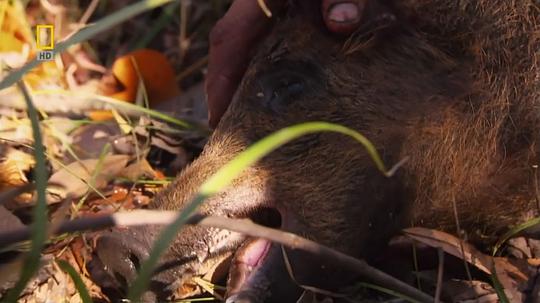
x: 252, y: 253
x: 257, y: 272
x: 251, y: 269
x: 266, y: 216
x: 257, y: 267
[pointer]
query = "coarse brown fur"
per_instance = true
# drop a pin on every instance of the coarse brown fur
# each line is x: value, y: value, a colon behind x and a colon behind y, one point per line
x: 451, y: 85
x: 480, y: 155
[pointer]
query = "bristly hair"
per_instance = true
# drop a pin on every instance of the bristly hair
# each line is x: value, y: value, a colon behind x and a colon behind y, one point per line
x: 482, y: 151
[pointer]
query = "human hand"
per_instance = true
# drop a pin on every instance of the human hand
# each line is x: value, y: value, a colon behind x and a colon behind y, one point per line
x: 237, y: 33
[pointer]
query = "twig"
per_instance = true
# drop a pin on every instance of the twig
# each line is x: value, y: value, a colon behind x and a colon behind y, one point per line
x: 440, y: 274
x: 312, y: 289
x: 265, y: 8
x: 461, y: 240
x: 536, y: 189
x: 192, y: 68
x: 89, y: 11
x: 245, y: 226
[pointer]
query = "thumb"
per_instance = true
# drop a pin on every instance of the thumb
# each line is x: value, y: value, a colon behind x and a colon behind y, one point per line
x: 343, y: 16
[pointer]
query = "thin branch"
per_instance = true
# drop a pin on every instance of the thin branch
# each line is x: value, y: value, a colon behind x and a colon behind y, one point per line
x: 245, y: 226
x: 440, y: 275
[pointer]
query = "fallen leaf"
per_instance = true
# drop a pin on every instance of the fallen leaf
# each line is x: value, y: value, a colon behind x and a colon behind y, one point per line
x: 10, y: 43
x: 451, y: 245
x: 469, y: 291
x: 513, y: 274
x: 139, y: 170
x: 16, y: 36
x: 15, y: 26
x: 9, y: 273
x: 8, y: 221
x: 89, y: 140
x: 73, y: 178
x: 14, y: 164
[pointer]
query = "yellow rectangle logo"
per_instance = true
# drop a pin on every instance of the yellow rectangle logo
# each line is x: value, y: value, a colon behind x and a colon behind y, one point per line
x: 45, y: 37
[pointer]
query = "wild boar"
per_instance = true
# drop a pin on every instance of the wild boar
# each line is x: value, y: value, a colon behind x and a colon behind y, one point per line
x: 451, y: 85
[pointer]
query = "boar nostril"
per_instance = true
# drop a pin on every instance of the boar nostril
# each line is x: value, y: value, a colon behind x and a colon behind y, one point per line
x: 267, y: 216
x: 121, y: 255
x: 134, y: 260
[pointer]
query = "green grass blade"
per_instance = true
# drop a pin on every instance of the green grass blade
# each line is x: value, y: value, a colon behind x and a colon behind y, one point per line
x: 87, y: 33
x: 99, y: 165
x: 513, y: 232
x: 128, y: 107
x: 388, y: 292
x: 66, y: 168
x: 226, y: 175
x: 143, y: 110
x: 499, y: 289
x: 265, y: 146
x: 79, y: 284
x: 39, y: 225
x: 207, y: 299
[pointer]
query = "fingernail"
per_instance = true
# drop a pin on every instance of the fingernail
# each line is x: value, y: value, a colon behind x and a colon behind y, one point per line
x: 344, y: 12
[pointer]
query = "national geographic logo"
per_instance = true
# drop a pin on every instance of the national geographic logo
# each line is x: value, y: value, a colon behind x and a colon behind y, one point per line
x: 45, y: 42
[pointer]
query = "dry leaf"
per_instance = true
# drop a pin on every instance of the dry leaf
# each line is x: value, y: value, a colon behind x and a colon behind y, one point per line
x: 72, y: 178
x: 14, y: 28
x: 139, y: 170
x: 16, y: 36
x: 39, y: 279
x: 9, y: 272
x: 513, y: 274
x: 8, y: 221
x: 89, y: 140
x: 14, y: 164
x: 451, y: 245
x: 469, y: 291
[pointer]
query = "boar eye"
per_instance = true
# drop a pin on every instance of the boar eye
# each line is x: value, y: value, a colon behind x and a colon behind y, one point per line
x: 280, y: 89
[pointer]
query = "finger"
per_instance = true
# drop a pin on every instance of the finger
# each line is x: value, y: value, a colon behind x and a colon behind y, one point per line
x: 341, y: 16
x: 231, y: 42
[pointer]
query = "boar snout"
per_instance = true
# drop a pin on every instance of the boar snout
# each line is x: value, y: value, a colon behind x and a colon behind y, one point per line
x: 122, y: 255
x: 196, y: 249
x: 118, y: 256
